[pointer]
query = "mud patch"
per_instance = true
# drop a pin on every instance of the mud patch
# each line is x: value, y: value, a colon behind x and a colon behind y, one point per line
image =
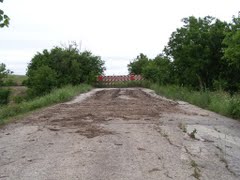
x: 101, y: 107
x: 92, y: 132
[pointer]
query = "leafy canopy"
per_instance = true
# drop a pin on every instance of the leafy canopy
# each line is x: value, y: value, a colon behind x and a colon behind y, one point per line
x: 196, y: 50
x: 232, y: 42
x: 203, y: 54
x: 3, y: 73
x: 136, y: 67
x: 4, y: 19
x: 62, y: 66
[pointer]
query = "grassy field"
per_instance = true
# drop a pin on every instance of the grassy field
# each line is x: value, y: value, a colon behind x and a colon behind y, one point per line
x: 17, y: 93
x: 15, y: 80
x: 56, y: 96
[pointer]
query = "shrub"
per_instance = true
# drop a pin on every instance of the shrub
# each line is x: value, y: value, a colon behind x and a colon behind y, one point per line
x: 10, y: 82
x: 18, y: 99
x: 42, y: 81
x: 4, y: 96
x: 60, y: 67
x: 234, y: 108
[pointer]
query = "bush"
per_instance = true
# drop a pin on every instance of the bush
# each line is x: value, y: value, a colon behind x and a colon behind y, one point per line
x: 42, y: 81
x: 18, y: 99
x: 60, y: 67
x: 4, y: 96
x: 9, y: 82
x: 234, y: 108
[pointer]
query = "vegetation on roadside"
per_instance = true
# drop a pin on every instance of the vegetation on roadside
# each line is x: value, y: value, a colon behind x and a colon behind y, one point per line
x: 62, y: 66
x: 14, y: 80
x: 217, y: 101
x: 52, y: 77
x: 55, y: 96
x: 201, y: 55
x: 4, y: 92
x: 200, y: 65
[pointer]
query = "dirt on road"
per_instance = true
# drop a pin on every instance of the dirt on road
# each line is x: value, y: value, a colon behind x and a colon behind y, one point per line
x: 121, y: 134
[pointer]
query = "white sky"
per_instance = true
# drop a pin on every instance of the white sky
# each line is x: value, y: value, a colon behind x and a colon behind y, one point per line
x: 116, y: 30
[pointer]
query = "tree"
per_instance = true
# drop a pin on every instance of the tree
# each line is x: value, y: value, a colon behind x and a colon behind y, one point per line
x: 231, y: 75
x: 4, y: 19
x: 158, y: 70
x: 136, y: 67
x: 232, y: 41
x: 196, y: 50
x: 42, y: 81
x: 4, y: 93
x: 65, y: 66
x: 3, y: 73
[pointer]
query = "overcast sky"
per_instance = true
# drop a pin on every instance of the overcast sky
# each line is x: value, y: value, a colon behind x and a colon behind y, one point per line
x: 116, y: 30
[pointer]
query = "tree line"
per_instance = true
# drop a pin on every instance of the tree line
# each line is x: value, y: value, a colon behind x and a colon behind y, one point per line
x: 203, y: 54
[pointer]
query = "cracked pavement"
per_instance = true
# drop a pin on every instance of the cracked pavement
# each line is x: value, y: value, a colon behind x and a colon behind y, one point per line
x: 121, y: 134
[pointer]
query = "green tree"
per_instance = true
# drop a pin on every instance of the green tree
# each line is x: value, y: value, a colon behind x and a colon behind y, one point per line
x: 3, y: 73
x: 4, y: 93
x: 4, y: 19
x: 196, y: 50
x: 158, y: 70
x: 136, y: 67
x: 42, y: 81
x: 232, y: 42
x: 66, y: 66
x: 231, y: 75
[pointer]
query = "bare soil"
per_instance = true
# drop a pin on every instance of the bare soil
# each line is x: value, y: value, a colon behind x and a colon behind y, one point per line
x: 121, y: 134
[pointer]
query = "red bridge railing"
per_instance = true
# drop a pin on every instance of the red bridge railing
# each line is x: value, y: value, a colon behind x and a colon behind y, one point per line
x: 115, y: 79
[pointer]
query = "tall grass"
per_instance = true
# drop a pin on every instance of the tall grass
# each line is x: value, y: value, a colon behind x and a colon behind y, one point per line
x: 56, y: 96
x: 217, y: 101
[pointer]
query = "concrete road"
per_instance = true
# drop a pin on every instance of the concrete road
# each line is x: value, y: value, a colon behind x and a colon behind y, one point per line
x: 121, y: 134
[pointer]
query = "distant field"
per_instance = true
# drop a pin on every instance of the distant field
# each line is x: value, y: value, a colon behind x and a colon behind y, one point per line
x: 16, y: 93
x: 15, y: 84
x: 16, y: 79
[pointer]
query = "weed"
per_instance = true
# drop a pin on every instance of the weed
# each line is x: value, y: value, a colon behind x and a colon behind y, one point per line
x: 192, y: 134
x: 196, y: 171
x: 183, y: 127
x: 193, y: 164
